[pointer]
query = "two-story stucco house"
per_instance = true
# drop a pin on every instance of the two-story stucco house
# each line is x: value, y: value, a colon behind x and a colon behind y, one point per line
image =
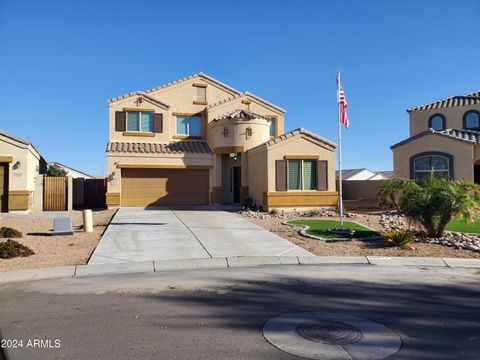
x: 197, y: 141
x: 444, y: 138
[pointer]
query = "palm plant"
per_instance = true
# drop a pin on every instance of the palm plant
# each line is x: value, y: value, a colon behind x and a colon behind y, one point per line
x: 435, y: 202
x: 390, y: 190
x: 400, y: 238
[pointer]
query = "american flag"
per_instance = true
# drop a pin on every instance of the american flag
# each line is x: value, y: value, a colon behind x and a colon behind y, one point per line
x: 342, y: 104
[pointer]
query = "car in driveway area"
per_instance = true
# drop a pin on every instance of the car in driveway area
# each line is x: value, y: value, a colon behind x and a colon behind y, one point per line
x: 142, y: 234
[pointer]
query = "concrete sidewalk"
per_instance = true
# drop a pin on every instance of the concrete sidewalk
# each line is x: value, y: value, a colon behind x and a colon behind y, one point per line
x: 138, y: 234
x: 230, y: 262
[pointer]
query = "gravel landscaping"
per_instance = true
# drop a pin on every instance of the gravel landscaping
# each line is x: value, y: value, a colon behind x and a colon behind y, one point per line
x: 376, y: 219
x: 54, y: 250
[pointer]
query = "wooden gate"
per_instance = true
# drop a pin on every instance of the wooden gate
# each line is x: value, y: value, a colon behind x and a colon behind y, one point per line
x: 95, y: 193
x: 54, y: 193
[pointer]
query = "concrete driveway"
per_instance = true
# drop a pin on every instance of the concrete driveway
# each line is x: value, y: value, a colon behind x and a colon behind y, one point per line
x: 137, y: 234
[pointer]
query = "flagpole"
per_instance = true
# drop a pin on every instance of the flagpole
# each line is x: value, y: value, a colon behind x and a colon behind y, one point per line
x: 340, y: 185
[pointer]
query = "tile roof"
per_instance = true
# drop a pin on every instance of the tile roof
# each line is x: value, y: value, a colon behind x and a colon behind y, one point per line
x: 468, y: 136
x: 290, y: 134
x: 452, y: 101
x: 240, y: 114
x: 177, y: 147
x: 200, y: 74
x: 246, y: 93
x: 348, y: 173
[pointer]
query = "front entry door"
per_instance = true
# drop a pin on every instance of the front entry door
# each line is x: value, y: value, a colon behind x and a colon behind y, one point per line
x: 476, y: 174
x: 3, y: 187
x: 237, y: 182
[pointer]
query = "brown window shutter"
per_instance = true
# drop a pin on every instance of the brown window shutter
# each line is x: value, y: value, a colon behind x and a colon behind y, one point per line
x: 120, y: 121
x: 281, y: 175
x: 322, y: 175
x: 158, y: 123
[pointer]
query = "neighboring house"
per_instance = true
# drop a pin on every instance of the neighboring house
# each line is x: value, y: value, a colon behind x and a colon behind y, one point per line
x: 444, y: 138
x: 20, y: 163
x: 198, y: 141
x: 363, y: 174
x: 72, y: 172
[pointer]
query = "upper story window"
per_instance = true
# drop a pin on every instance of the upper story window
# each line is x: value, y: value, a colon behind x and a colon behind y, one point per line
x: 471, y: 120
x: 423, y: 166
x: 139, y: 121
x: 189, y: 125
x: 437, y: 122
x: 273, y: 124
x: 302, y: 175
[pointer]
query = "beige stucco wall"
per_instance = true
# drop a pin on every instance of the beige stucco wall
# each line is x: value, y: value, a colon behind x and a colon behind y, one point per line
x: 237, y: 133
x: 463, y: 155
x: 453, y: 118
x: 257, y: 175
x: 301, y: 145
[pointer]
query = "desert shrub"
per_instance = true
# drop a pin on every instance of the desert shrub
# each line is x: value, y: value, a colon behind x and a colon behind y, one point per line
x: 399, y: 238
x: 249, y: 203
x: 274, y: 212
x: 6, y: 232
x: 315, y: 212
x: 11, y: 248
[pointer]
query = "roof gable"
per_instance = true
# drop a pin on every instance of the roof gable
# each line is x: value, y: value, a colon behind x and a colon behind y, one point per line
x: 247, y: 96
x: 199, y: 75
x: 296, y: 133
x: 467, y: 136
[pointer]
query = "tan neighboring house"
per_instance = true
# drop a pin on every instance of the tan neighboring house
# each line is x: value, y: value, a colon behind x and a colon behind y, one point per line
x: 197, y: 141
x: 20, y: 163
x: 444, y: 138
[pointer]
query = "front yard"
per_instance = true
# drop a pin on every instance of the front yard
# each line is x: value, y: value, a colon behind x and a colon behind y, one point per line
x: 461, y: 226
x: 320, y: 228
x: 371, y: 219
x: 54, y: 250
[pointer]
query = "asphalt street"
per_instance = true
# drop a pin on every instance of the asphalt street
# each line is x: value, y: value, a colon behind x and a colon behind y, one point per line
x: 219, y: 313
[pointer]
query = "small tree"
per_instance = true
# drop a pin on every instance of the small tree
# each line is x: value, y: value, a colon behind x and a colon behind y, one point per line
x: 435, y: 202
x: 56, y: 171
x: 390, y: 190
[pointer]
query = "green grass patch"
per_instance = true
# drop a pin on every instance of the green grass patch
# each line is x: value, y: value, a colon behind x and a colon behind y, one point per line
x: 459, y: 225
x: 320, y: 228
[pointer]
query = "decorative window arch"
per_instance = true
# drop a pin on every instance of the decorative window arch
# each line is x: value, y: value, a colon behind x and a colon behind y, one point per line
x: 471, y: 120
x: 422, y: 164
x: 437, y: 122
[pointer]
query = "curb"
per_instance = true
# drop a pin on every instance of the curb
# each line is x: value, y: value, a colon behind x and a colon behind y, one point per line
x: 78, y: 271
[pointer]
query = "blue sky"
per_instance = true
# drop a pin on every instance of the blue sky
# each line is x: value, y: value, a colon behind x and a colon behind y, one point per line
x: 61, y: 61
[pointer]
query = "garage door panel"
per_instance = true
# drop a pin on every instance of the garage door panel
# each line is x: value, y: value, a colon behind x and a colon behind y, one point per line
x: 160, y: 187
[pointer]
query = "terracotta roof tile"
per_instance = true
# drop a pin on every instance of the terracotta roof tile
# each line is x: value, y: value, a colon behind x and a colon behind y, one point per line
x: 177, y: 147
x: 468, y: 136
x: 458, y: 100
x: 240, y: 114
x: 290, y: 134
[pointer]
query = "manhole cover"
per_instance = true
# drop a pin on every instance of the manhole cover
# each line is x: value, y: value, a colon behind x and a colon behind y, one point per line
x: 329, y: 332
x: 323, y: 335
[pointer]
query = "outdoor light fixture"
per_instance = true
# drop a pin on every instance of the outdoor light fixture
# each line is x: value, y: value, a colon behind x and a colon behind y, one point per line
x: 225, y: 132
x: 16, y: 165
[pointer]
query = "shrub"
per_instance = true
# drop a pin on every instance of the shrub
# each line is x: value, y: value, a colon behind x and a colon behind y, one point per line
x: 6, y: 232
x: 399, y: 238
x: 249, y: 203
x: 435, y: 202
x: 56, y: 171
x: 274, y: 212
x: 11, y: 248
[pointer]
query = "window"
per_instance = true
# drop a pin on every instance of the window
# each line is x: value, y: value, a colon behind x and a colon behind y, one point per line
x: 437, y: 122
x: 302, y: 175
x: 471, y: 120
x: 201, y: 94
x: 139, y: 121
x: 188, y: 125
x: 425, y: 165
x: 273, y: 123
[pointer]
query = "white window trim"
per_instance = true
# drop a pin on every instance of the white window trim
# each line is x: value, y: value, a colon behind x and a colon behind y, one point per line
x: 302, y: 185
x: 139, y: 121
